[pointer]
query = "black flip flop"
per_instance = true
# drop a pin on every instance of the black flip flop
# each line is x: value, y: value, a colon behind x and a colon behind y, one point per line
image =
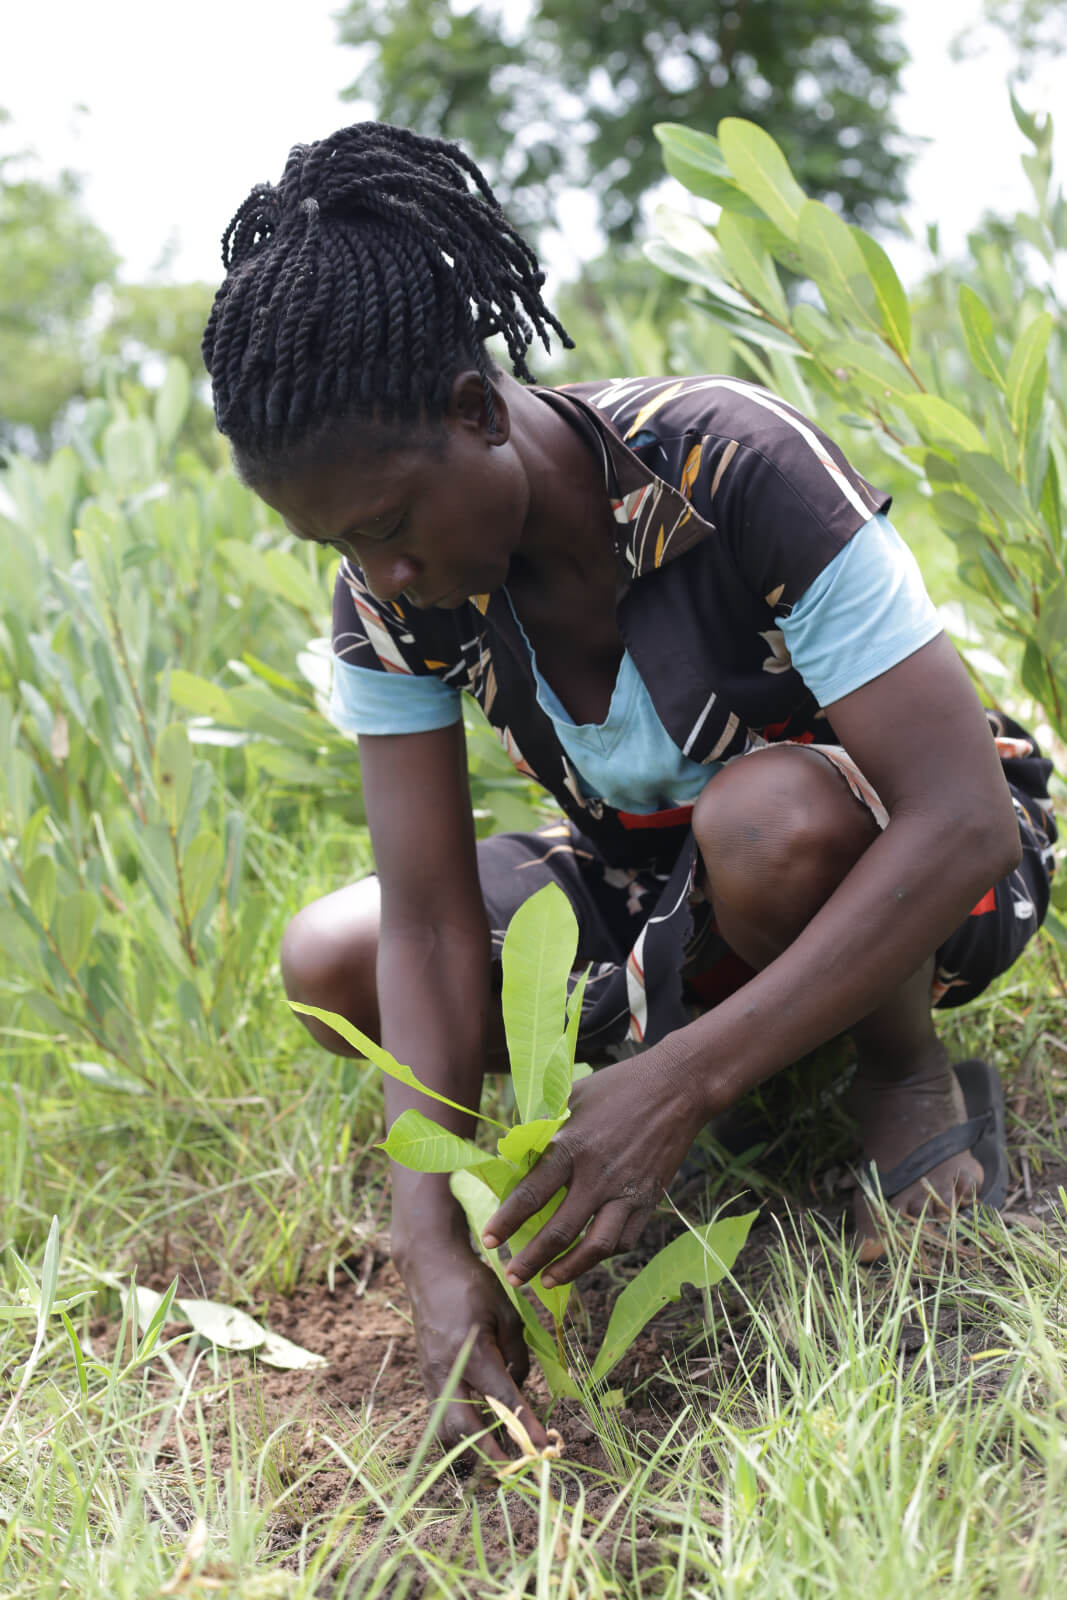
x: 983, y: 1134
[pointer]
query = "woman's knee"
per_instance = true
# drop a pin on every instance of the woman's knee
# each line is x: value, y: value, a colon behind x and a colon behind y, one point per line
x: 781, y: 827
x: 328, y: 958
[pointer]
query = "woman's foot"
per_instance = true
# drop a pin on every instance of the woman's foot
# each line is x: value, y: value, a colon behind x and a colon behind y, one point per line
x: 896, y: 1113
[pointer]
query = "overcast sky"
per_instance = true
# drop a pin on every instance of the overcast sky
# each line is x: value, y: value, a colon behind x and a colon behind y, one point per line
x: 172, y: 112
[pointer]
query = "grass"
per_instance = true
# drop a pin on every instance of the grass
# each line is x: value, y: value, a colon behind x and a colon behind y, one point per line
x: 815, y: 1429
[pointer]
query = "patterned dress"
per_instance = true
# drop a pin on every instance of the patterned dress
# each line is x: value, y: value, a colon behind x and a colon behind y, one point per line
x: 728, y: 503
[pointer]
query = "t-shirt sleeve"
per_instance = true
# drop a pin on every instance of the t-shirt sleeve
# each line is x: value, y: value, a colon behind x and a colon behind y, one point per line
x: 363, y: 700
x: 866, y: 611
x: 382, y: 679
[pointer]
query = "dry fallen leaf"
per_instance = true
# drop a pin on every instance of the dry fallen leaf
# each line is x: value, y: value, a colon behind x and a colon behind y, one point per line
x: 518, y: 1434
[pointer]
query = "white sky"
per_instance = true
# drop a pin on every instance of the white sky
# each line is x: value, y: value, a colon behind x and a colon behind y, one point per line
x: 186, y: 107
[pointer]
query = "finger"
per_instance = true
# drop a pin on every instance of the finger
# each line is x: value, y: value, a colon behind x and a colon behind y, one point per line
x: 487, y: 1376
x: 557, y: 1235
x: 513, y: 1347
x: 467, y: 1419
x: 631, y: 1233
x: 601, y: 1241
x: 552, y: 1173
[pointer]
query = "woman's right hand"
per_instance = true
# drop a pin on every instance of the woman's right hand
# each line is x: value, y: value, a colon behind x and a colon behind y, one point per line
x: 454, y: 1295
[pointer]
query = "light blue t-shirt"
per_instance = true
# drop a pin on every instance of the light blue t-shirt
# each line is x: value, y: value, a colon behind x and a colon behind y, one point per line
x: 864, y: 613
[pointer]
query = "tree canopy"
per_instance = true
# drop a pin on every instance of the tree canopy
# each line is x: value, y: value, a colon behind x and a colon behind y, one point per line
x: 569, y: 96
x: 52, y: 261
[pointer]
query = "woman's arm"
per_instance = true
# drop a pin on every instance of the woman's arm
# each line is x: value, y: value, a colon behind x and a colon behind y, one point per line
x: 920, y: 736
x: 433, y: 995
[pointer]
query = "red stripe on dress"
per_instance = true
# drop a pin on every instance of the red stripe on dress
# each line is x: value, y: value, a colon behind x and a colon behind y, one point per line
x: 674, y: 818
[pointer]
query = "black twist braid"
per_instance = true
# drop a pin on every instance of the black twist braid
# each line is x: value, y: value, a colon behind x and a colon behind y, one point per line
x: 359, y: 286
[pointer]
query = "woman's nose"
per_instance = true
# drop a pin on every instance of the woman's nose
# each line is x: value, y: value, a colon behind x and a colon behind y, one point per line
x: 388, y: 575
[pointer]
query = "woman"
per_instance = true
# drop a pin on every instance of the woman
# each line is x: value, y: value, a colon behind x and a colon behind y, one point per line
x: 687, y: 616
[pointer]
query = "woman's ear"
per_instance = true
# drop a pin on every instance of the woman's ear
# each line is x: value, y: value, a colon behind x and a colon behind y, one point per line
x: 467, y: 404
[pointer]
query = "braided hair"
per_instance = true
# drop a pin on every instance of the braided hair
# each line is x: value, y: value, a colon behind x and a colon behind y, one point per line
x: 358, y: 287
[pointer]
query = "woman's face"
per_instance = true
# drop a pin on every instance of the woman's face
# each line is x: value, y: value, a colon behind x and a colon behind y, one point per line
x: 434, y: 520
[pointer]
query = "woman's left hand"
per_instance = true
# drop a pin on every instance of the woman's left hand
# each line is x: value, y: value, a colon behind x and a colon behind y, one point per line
x: 630, y: 1127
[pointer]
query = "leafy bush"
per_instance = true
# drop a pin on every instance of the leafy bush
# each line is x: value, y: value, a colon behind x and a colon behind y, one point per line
x: 974, y: 410
x: 144, y: 587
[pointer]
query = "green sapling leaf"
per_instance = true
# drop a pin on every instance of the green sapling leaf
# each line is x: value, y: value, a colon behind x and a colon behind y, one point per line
x: 559, y: 1069
x: 525, y: 1142
x: 74, y: 924
x: 174, y: 772
x: 539, y: 950
x: 479, y: 1204
x: 381, y: 1057
x: 416, y: 1141
x: 762, y: 171
x: 701, y: 1256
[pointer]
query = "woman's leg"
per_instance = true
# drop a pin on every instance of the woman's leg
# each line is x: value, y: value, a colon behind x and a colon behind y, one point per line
x: 777, y: 832
x: 329, y: 959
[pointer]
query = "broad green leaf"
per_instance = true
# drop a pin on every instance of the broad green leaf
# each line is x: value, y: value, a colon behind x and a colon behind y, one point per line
x: 416, y: 1141
x: 1029, y: 417
x: 939, y: 422
x: 750, y: 264
x: 1051, y: 504
x: 995, y: 488
x: 813, y: 326
x: 1025, y: 371
x: 701, y: 1256
x: 689, y: 252
x: 380, y: 1057
x: 838, y: 266
x: 479, y: 1203
x: 696, y: 160
x: 870, y: 368
x: 555, y: 1300
x: 74, y: 924
x: 889, y: 292
x: 559, y: 1070
x: 977, y: 323
x: 523, y: 1143
x: 129, y: 452
x: 754, y: 328
x: 31, y: 833
x: 954, y: 512
x: 41, y: 888
x: 172, y: 403
x: 539, y: 951
x: 1052, y: 624
x: 174, y: 772
x: 295, y: 581
x: 201, y: 870
x: 762, y: 172
x: 500, y: 1176
x: 200, y: 696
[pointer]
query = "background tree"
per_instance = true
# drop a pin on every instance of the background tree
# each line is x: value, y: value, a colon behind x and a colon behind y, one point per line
x: 1035, y: 30
x: 569, y: 97
x: 53, y: 262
